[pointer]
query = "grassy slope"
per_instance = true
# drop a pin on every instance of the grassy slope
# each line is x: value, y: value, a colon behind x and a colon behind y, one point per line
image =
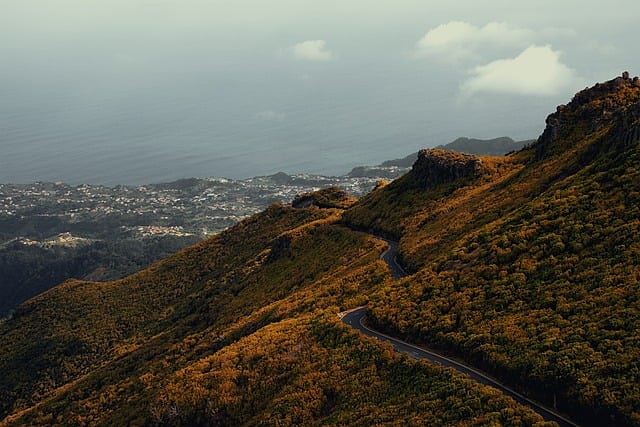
x: 239, y: 329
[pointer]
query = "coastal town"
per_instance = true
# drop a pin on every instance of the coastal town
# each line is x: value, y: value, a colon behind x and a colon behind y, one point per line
x: 189, y: 207
x: 52, y: 232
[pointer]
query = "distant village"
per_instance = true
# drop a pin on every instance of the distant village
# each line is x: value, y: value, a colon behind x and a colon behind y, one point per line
x: 49, y: 214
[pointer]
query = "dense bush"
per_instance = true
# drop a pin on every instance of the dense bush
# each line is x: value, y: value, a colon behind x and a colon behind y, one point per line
x: 239, y: 329
x: 534, y: 276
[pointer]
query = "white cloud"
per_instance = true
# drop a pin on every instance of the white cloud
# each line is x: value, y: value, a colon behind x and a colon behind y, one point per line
x: 312, y: 50
x: 459, y: 40
x: 271, y: 115
x: 538, y: 71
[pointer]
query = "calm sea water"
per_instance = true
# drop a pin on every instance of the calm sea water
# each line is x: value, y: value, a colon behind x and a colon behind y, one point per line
x: 132, y: 92
x: 99, y: 130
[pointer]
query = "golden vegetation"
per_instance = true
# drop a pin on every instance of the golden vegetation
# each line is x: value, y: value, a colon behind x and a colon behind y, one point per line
x: 534, y: 275
x: 62, y: 334
x: 529, y: 269
x: 310, y: 370
x: 239, y: 329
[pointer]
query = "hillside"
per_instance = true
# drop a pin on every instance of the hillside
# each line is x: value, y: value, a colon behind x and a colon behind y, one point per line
x: 52, y: 232
x: 530, y: 269
x: 238, y: 329
x: 27, y: 269
x: 525, y: 266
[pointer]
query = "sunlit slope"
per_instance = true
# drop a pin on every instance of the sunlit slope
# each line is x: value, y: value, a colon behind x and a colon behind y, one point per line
x: 241, y: 329
x: 64, y: 333
x: 530, y: 268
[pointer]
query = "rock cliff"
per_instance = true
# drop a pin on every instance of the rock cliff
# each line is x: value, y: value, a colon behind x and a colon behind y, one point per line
x: 587, y: 112
x: 331, y: 197
x: 435, y: 167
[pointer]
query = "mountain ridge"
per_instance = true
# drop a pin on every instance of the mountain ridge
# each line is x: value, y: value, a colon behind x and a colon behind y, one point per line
x: 123, y: 242
x: 524, y: 265
x: 552, y: 236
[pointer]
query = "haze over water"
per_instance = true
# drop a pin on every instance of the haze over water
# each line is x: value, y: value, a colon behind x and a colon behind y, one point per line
x: 125, y: 92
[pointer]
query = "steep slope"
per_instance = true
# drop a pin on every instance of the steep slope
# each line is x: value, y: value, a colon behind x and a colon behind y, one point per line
x: 240, y: 329
x: 531, y: 272
x: 68, y: 330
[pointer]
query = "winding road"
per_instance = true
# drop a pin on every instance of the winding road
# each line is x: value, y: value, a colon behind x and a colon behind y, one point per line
x: 356, y: 317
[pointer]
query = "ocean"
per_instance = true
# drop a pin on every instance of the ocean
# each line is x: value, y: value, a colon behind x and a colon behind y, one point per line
x: 147, y: 135
x: 80, y: 121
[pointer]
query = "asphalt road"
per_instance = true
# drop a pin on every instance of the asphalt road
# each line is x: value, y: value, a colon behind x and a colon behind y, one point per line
x: 390, y: 256
x: 355, y: 318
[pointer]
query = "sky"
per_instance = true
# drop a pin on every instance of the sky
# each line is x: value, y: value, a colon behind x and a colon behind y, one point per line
x: 137, y: 90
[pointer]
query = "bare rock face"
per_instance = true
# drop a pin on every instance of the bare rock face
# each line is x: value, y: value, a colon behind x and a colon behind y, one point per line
x: 625, y: 131
x: 588, y: 111
x: 435, y: 167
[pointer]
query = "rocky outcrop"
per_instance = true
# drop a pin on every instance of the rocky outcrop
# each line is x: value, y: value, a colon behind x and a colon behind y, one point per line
x: 625, y: 131
x: 436, y: 166
x: 392, y: 169
x: 327, y: 198
x: 587, y: 112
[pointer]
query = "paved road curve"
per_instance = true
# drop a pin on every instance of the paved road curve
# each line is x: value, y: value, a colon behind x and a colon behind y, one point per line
x: 355, y: 318
x: 390, y: 256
